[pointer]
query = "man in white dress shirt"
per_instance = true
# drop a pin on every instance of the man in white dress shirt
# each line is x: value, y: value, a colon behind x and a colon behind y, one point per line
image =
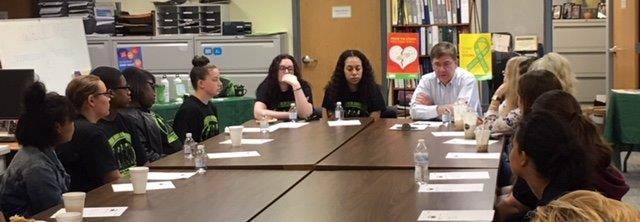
x: 439, y: 90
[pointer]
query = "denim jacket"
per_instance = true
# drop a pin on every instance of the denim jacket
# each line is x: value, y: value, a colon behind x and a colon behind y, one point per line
x: 33, y: 182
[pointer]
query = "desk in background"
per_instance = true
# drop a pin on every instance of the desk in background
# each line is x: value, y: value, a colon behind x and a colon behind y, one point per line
x: 622, y: 124
x: 231, y: 110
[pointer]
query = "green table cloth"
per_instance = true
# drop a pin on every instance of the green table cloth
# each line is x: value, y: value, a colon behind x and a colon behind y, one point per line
x: 231, y: 110
x: 622, y: 124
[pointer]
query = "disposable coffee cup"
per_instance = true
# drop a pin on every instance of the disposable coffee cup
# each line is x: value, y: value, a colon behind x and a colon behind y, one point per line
x: 139, y: 179
x: 458, y: 116
x: 482, y: 140
x: 236, y: 135
x: 74, y: 201
x: 69, y: 217
x: 470, y: 121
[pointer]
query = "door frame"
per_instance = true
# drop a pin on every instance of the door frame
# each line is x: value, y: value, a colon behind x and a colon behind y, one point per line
x: 297, y: 49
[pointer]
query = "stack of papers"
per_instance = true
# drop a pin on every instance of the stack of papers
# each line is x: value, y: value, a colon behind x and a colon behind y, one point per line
x: 459, y: 141
x: 290, y: 125
x: 253, y: 129
x: 344, y: 123
x: 455, y: 155
x: 226, y: 155
x: 459, y: 175
x: 169, y: 175
x: 249, y: 141
x: 448, y: 134
x: 128, y: 187
x: 445, y: 188
x: 97, y: 212
x: 456, y: 215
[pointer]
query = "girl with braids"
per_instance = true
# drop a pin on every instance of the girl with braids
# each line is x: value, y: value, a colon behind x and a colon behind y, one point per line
x: 353, y: 84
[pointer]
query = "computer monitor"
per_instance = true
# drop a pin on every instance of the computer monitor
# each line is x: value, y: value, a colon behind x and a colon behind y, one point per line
x: 13, y: 82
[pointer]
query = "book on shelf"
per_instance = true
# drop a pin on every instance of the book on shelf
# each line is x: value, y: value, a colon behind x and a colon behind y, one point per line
x: 429, y: 12
x: 430, y: 36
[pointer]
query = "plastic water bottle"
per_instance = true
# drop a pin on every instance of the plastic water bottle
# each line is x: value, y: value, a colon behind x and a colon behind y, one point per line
x: 293, y: 113
x: 446, y: 118
x: 164, y: 89
x: 189, y: 146
x: 264, y: 124
x: 201, y: 159
x: 421, y: 158
x: 181, y: 89
x: 339, y: 112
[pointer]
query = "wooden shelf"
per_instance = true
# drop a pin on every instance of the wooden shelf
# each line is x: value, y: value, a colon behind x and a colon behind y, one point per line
x: 439, y: 25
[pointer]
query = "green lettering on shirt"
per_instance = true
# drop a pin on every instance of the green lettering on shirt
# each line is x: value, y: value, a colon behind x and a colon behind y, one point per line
x: 122, y: 148
x: 171, y: 136
x: 210, y: 127
x: 354, y: 109
x: 284, y: 106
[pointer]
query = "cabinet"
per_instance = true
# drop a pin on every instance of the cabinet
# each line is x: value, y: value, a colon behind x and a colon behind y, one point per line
x: 191, y: 19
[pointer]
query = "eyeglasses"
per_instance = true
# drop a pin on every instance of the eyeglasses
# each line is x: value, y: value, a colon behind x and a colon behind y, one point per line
x: 286, y: 68
x: 152, y: 84
x: 123, y: 87
x: 108, y: 94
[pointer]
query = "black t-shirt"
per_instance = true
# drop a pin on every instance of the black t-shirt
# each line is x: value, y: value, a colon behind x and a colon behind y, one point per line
x: 197, y: 118
x: 124, y: 141
x: 152, y: 136
x: 171, y: 142
x: 87, y: 157
x: 353, y: 105
x: 281, y: 101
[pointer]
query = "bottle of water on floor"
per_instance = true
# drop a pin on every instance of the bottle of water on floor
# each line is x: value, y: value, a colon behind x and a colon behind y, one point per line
x: 339, y: 112
x: 421, y: 158
x: 189, y: 146
x: 293, y: 113
x: 201, y: 159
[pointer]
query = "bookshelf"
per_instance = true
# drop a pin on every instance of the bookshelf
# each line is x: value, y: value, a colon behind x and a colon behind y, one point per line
x: 435, y: 21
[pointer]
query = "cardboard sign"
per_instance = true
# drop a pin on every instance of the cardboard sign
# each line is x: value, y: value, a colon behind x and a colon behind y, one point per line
x: 129, y: 57
x: 475, y: 54
x: 403, y: 60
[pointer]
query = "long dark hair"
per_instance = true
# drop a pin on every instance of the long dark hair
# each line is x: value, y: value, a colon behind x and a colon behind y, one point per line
x: 564, y: 105
x: 533, y: 84
x: 271, y: 84
x: 558, y: 156
x: 37, y: 124
x: 338, y: 82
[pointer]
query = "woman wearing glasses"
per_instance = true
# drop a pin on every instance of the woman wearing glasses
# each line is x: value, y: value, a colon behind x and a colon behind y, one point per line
x: 282, y: 87
x: 87, y: 158
x: 197, y: 114
x: 121, y: 136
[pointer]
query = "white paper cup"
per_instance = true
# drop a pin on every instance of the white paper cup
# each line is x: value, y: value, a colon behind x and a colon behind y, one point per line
x: 69, y: 217
x: 458, y: 116
x: 236, y: 135
x: 74, y: 201
x: 139, y: 179
x: 482, y: 140
x: 470, y: 120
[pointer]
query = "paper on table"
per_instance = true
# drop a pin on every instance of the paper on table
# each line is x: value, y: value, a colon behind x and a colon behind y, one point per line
x: 128, y: 187
x: 249, y: 141
x: 290, y: 125
x: 413, y: 127
x: 169, y: 175
x: 460, y: 141
x: 456, y: 215
x: 444, y: 188
x: 448, y: 134
x: 253, y: 129
x: 97, y: 212
x: 428, y: 123
x: 459, y: 175
x: 233, y: 154
x: 344, y: 123
x: 455, y: 155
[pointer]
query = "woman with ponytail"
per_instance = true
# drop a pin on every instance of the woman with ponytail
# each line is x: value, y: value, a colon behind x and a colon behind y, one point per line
x: 35, y: 179
x: 197, y: 115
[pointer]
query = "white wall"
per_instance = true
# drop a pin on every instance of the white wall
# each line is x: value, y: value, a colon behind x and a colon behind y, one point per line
x: 519, y: 17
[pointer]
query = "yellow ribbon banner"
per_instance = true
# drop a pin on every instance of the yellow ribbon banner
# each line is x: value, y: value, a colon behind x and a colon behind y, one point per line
x: 475, y: 54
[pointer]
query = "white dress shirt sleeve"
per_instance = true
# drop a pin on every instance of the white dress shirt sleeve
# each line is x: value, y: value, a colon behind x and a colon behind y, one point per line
x: 420, y: 111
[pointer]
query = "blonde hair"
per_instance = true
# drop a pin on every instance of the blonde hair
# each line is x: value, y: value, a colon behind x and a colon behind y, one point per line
x: 80, y: 88
x: 583, y: 205
x: 560, y: 67
x: 512, y: 72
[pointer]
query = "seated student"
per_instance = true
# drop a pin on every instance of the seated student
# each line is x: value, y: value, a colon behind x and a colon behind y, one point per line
x: 505, y: 98
x: 282, y: 87
x: 121, y: 136
x: 548, y: 157
x: 197, y: 115
x: 586, y: 206
x: 87, y: 157
x: 606, y: 178
x: 440, y: 89
x: 157, y: 139
x: 559, y: 66
x: 35, y: 180
x: 353, y: 84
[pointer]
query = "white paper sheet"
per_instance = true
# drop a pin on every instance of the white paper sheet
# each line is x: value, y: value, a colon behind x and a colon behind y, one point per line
x: 253, y: 129
x: 460, y: 141
x: 428, y: 123
x: 344, y: 123
x: 413, y: 127
x: 290, y: 125
x: 169, y: 175
x: 233, y: 155
x: 128, y: 187
x: 454, y: 155
x: 445, y: 188
x: 459, y: 175
x: 448, y: 134
x: 456, y: 215
x: 97, y: 212
x: 249, y: 141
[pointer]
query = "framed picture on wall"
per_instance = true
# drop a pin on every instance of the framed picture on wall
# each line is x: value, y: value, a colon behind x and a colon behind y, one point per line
x: 566, y: 10
x: 557, y: 11
x: 576, y: 11
x: 602, y: 10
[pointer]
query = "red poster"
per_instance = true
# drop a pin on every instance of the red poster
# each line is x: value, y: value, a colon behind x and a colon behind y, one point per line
x: 402, y: 56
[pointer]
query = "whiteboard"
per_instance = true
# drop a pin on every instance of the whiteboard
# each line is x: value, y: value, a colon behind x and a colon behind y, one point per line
x: 54, y: 47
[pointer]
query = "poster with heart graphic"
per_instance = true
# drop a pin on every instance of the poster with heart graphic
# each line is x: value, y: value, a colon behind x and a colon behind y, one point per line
x: 403, y: 56
x: 475, y: 54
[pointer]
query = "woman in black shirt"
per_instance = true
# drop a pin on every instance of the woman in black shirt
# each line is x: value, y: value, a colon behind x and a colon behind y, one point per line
x: 282, y: 87
x: 353, y: 84
x: 197, y: 115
